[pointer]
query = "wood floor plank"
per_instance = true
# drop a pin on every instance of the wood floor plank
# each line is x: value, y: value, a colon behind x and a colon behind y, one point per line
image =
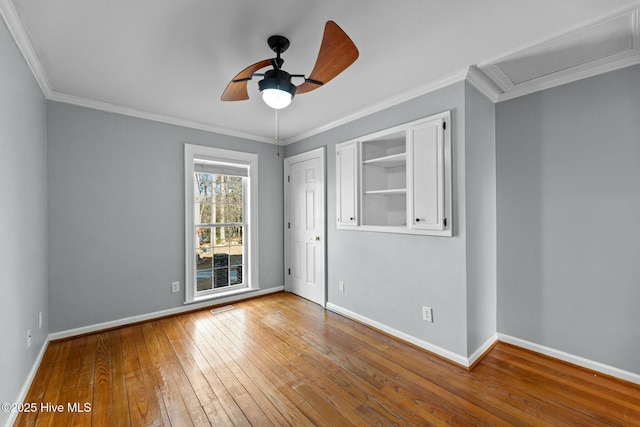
x: 80, y: 405
x: 167, y: 386
x: 361, y: 392
x: 173, y: 374
x: 580, y: 379
x: 102, y: 405
x: 215, y: 378
x: 282, y: 360
x: 296, y: 360
x: 154, y: 392
x: 144, y: 408
x: 273, y: 404
x: 598, y: 411
x: 121, y: 413
x: 252, y: 401
x: 59, y: 394
x: 262, y: 355
x: 39, y: 385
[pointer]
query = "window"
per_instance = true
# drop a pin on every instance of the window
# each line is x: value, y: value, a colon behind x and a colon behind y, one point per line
x: 221, y: 223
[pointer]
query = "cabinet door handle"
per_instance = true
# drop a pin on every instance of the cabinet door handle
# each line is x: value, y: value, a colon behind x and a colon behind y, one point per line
x: 417, y: 219
x: 351, y: 219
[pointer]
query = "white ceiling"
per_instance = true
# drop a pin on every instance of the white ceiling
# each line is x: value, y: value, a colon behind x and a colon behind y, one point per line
x: 170, y: 60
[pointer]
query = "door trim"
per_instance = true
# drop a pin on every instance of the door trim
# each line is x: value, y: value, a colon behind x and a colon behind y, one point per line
x: 318, y: 153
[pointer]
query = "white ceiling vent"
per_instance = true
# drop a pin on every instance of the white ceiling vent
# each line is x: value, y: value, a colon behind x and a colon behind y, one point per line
x: 608, y: 45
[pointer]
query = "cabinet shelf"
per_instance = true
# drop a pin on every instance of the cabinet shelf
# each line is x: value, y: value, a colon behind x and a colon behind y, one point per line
x: 391, y: 161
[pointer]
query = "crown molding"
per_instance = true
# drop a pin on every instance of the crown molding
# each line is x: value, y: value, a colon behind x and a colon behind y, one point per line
x: 141, y: 114
x: 11, y: 18
x: 455, y: 77
x: 480, y: 81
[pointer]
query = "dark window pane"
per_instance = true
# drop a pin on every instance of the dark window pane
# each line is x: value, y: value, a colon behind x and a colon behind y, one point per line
x: 236, y: 258
x: 204, y: 257
x: 235, y: 275
x: 203, y: 278
x: 220, y: 260
x: 221, y: 276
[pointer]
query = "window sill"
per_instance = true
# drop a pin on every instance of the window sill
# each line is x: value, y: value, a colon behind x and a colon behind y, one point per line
x: 220, y: 295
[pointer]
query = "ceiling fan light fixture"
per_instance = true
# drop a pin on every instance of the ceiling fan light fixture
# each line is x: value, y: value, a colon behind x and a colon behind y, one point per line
x: 277, y: 89
x: 276, y: 98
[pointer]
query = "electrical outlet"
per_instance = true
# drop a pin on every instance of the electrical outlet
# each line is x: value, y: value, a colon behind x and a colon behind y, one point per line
x: 427, y: 314
x: 40, y: 320
x: 341, y: 286
x: 28, y: 338
x: 175, y: 287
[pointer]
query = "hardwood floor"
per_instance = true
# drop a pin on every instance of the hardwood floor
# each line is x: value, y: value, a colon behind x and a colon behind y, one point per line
x: 282, y: 360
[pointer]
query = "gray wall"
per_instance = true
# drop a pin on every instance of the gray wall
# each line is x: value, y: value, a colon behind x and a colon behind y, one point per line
x: 116, y: 214
x: 480, y: 191
x: 568, y: 162
x: 389, y: 277
x: 23, y: 219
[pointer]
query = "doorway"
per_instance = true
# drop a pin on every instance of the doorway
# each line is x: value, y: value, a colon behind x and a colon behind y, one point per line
x: 305, y: 234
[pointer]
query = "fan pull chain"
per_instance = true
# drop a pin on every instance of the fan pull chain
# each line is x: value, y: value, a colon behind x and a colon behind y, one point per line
x: 277, y: 133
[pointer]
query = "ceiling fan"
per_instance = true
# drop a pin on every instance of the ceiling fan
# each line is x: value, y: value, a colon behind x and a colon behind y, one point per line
x: 337, y: 52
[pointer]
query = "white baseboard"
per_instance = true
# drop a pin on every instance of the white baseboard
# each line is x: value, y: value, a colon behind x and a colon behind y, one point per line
x: 28, y: 381
x: 150, y: 316
x: 483, y: 348
x: 454, y: 357
x: 467, y: 362
x: 570, y: 358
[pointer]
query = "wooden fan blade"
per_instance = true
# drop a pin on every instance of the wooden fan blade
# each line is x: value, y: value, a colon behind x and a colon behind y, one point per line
x: 237, y: 88
x: 337, y: 52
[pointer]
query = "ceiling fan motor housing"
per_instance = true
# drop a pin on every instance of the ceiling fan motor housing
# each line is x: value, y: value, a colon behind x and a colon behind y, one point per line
x: 277, y: 79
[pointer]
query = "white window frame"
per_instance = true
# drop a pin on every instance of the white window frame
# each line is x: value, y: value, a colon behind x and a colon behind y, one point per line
x: 250, y: 274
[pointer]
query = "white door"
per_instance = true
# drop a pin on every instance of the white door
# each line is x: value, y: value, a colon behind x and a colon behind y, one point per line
x: 305, y: 225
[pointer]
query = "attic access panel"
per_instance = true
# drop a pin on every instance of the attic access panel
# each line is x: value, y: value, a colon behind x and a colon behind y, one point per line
x: 569, y: 57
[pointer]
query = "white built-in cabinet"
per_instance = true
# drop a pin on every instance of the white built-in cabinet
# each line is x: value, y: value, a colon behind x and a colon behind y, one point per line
x: 347, y: 184
x: 397, y: 180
